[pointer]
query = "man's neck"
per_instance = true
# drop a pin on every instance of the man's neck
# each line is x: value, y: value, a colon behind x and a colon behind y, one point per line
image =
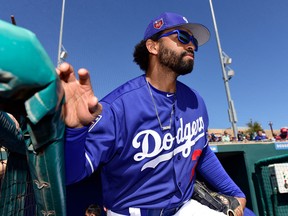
x: 162, y: 79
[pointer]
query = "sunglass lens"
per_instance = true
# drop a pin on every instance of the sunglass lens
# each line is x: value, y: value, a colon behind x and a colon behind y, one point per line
x: 184, y: 37
x: 195, y: 42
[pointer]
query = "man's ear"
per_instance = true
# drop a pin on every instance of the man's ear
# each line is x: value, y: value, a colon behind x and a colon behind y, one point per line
x: 152, y: 46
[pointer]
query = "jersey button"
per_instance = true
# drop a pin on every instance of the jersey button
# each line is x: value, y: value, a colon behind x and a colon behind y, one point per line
x: 177, y: 118
x: 178, y: 157
x: 179, y: 184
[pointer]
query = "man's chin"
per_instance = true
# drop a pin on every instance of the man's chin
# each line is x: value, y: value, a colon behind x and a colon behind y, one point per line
x: 185, y: 71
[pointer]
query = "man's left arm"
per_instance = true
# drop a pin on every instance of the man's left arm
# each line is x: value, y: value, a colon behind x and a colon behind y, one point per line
x: 210, y: 168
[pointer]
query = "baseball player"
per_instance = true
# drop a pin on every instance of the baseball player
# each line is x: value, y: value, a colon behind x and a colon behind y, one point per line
x: 148, y: 136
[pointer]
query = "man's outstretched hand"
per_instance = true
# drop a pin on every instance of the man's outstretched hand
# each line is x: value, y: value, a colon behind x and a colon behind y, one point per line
x: 81, y: 105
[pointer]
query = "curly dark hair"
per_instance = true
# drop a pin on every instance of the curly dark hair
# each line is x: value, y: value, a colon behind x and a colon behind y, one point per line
x: 93, y: 209
x: 141, y: 54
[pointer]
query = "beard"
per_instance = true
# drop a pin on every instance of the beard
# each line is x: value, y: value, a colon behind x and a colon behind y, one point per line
x: 174, y: 61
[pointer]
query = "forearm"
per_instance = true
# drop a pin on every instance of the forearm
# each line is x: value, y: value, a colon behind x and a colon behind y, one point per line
x: 75, y: 154
x: 213, y: 172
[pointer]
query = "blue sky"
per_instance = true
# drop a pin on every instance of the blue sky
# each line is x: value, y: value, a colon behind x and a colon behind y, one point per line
x: 101, y: 35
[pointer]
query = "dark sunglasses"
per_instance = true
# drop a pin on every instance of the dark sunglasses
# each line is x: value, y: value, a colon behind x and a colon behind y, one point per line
x: 183, y: 36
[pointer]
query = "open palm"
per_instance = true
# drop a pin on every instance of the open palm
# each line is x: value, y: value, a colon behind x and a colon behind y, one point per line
x: 81, y: 105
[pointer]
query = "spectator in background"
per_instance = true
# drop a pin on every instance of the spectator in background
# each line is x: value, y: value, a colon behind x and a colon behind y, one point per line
x: 213, y: 138
x: 225, y: 137
x: 264, y: 133
x: 241, y: 136
x: 93, y: 210
x: 260, y: 136
x: 283, y: 134
x: 246, y: 138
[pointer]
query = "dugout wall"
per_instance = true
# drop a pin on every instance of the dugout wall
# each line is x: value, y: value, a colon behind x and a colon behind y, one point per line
x: 240, y: 160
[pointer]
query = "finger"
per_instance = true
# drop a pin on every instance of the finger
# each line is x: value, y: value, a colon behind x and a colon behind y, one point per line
x: 66, y: 72
x: 239, y: 211
x: 84, y: 77
x: 95, y: 108
x: 64, y: 67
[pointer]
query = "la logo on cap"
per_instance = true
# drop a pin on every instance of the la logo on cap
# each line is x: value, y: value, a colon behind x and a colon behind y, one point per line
x: 158, y: 23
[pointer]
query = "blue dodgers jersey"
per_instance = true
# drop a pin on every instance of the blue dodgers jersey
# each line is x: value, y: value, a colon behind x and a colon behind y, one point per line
x: 143, y: 166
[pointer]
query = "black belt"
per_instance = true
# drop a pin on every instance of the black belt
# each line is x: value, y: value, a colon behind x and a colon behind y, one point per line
x: 159, y: 212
